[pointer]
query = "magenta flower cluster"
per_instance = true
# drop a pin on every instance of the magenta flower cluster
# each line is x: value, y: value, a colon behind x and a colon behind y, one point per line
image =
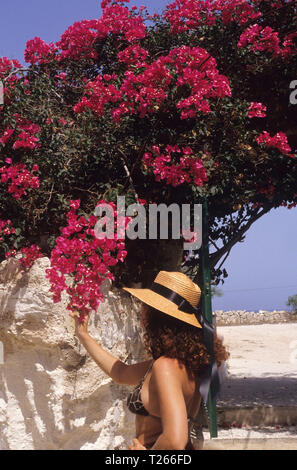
x: 81, y: 261
x: 279, y: 141
x: 189, y: 169
x: 19, y: 179
x: 143, y: 93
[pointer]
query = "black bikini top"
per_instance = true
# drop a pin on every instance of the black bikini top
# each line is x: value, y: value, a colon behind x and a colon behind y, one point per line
x: 134, y: 401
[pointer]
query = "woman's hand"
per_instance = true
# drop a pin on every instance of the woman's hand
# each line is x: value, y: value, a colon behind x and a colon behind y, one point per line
x: 81, y: 325
x: 137, y: 445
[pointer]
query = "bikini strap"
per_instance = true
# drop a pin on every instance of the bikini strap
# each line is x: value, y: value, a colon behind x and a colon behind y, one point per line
x: 149, y: 368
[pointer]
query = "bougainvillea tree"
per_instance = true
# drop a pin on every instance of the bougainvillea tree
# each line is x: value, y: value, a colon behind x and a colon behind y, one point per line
x: 168, y: 108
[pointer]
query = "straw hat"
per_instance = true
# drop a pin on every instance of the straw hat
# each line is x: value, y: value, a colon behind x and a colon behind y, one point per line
x: 177, y: 286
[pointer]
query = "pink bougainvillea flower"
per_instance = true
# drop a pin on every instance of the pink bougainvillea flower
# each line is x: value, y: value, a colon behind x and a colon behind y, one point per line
x: 85, y: 259
x: 257, y: 110
x: 30, y: 255
x: 142, y: 93
x: 260, y: 39
x: 19, y: 179
x: 6, y: 65
x: 279, y: 141
x: 37, y: 51
x: 6, y: 136
x: 189, y: 168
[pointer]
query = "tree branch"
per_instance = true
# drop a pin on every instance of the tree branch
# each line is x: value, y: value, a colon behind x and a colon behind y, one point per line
x: 228, y: 253
x: 215, y: 257
x: 214, y: 244
x: 13, y: 72
x: 26, y: 69
x: 124, y: 160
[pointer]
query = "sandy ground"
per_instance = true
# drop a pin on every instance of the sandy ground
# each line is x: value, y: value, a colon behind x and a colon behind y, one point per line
x: 261, y: 350
x: 261, y: 372
x: 262, y: 368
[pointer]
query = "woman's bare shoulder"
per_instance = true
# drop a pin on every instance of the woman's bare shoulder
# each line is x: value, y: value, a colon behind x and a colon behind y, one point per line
x: 165, y: 368
x: 168, y: 365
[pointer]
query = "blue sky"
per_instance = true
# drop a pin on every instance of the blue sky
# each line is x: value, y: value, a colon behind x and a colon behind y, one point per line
x: 263, y: 269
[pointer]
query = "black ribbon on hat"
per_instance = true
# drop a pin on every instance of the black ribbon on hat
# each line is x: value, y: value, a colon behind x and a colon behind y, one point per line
x: 210, y: 381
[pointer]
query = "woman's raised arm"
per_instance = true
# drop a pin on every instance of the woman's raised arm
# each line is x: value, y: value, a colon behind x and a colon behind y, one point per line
x: 120, y: 372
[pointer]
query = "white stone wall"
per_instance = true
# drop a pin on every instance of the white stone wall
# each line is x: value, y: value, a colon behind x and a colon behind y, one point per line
x: 52, y: 395
x: 244, y: 317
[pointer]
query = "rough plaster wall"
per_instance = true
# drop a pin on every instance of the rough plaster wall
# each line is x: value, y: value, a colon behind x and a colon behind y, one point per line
x: 52, y: 395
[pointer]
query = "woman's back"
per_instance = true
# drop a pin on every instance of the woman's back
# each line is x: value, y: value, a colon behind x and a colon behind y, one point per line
x: 179, y: 381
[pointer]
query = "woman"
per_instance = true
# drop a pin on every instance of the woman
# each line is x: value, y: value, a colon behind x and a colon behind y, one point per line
x: 167, y: 394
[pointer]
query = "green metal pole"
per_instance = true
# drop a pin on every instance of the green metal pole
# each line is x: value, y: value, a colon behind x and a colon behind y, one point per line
x: 206, y: 304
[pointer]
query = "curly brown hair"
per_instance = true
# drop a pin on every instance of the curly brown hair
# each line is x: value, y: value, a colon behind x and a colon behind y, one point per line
x: 166, y: 336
